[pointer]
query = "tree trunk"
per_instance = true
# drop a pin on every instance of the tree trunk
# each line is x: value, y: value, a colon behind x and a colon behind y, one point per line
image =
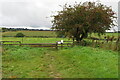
x: 77, y: 36
x: 83, y: 35
x: 77, y: 39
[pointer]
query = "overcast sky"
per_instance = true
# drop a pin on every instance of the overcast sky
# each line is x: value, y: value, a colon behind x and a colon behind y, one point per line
x: 36, y: 13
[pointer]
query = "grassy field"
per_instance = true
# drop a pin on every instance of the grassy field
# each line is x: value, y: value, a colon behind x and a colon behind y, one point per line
x: 106, y: 34
x: 30, y: 33
x: 49, y: 33
x: 76, y: 62
x: 34, y: 40
x: 72, y: 62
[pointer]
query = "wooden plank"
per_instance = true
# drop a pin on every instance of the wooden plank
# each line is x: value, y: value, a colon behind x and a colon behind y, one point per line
x: 38, y: 44
x: 66, y: 44
x: 42, y: 46
x: 10, y: 41
x: 67, y: 41
x: 31, y: 44
x: 10, y: 44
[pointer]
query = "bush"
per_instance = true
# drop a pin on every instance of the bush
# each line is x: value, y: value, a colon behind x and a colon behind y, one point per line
x: 19, y: 35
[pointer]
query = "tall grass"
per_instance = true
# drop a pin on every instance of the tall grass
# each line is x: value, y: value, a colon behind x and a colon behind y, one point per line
x: 115, y: 46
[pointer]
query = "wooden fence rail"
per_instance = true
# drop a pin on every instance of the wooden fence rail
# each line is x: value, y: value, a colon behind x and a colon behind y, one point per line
x: 111, y: 45
x: 3, y: 42
x: 55, y: 45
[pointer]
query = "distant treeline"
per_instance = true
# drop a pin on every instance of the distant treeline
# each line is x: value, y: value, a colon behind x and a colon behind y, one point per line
x: 25, y: 29
x: 22, y: 29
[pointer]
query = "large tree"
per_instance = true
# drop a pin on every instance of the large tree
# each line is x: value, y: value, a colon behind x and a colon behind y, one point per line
x: 80, y: 19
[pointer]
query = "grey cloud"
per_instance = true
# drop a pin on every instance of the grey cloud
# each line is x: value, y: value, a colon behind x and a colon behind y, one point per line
x: 32, y: 12
x: 23, y: 14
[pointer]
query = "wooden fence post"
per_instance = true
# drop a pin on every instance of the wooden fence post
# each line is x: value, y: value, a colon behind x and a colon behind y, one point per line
x: 61, y: 45
x: 56, y: 45
x: 20, y: 43
x: 73, y: 43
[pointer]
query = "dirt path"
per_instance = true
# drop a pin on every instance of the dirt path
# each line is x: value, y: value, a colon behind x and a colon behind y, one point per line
x: 51, y: 68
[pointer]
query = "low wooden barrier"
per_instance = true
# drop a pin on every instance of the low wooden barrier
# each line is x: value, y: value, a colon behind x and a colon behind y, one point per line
x: 40, y: 44
x: 55, y: 45
x: 64, y: 44
x: 35, y: 36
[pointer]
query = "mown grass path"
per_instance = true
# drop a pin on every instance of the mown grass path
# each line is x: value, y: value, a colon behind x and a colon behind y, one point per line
x: 51, y: 67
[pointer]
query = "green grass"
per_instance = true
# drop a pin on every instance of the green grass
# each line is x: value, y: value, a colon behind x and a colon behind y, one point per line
x: 30, y: 33
x: 34, y: 40
x: 49, y: 33
x: 76, y: 62
x: 106, y: 34
x: 105, y: 45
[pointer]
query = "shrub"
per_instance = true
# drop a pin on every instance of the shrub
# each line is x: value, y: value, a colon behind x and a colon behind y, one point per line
x: 19, y: 35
